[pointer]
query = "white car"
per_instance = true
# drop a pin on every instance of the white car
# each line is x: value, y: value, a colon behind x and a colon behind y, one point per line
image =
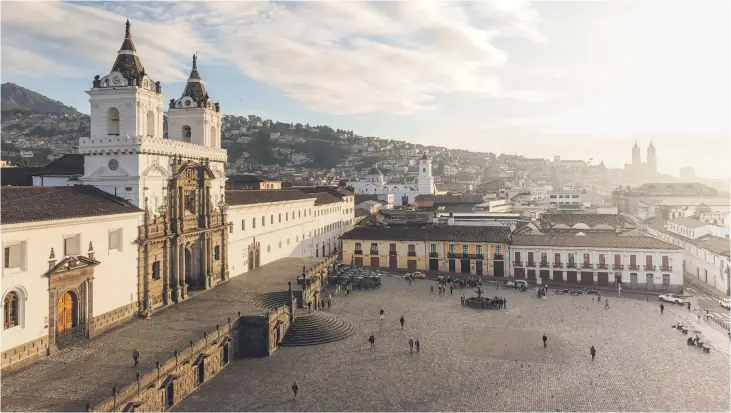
x: 725, y: 303
x: 672, y: 298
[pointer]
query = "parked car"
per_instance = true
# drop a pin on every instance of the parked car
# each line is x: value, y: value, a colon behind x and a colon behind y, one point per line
x: 725, y: 303
x: 673, y: 298
x: 418, y: 275
x: 517, y: 283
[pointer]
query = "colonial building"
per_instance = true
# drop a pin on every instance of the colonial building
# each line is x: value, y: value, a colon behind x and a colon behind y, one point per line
x: 453, y: 249
x: 404, y: 194
x: 598, y: 259
x: 142, y: 219
x: 638, y: 170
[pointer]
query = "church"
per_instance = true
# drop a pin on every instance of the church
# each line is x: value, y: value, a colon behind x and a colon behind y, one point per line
x: 148, y: 221
x: 641, y: 171
x: 404, y: 194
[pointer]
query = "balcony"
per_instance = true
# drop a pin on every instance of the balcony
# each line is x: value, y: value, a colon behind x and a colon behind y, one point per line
x: 498, y: 257
x: 587, y: 265
x: 374, y: 252
x: 571, y: 265
x: 358, y: 252
x: 433, y: 255
x: 531, y: 264
x: 633, y: 267
x: 411, y: 254
x: 392, y: 253
x: 650, y: 267
x: 617, y: 267
x: 543, y: 264
x: 666, y: 268
x: 602, y: 266
x: 517, y: 263
x: 477, y: 256
x: 557, y: 265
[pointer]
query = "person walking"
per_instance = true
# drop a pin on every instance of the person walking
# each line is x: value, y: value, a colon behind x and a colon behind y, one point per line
x: 450, y: 289
x: 295, y: 389
x: 329, y: 303
x: 372, y: 340
x: 136, y: 356
x: 417, y: 345
x: 688, y: 307
x: 545, y: 341
x: 309, y: 306
x: 599, y: 297
x: 431, y: 288
x: 402, y: 321
x: 382, y: 313
x: 606, y: 303
x: 505, y: 304
x: 662, y: 308
x: 411, y: 345
x: 592, y: 351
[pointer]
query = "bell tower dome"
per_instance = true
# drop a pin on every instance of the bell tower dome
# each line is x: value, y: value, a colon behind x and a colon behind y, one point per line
x: 195, y: 118
x: 425, y: 180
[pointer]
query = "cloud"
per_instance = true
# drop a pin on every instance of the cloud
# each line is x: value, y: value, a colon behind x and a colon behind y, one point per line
x: 339, y: 57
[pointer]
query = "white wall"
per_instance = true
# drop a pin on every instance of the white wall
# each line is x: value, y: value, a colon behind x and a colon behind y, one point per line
x: 115, y: 278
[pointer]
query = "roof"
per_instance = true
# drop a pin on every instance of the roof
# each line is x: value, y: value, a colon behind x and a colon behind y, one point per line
x: 676, y: 189
x: 714, y: 244
x: 449, y: 199
x: 593, y: 241
x: 249, y: 178
x: 691, y: 223
x: 262, y: 196
x: 334, y: 191
x: 431, y: 233
x: 362, y: 198
x: 374, y: 171
x: 69, y: 164
x: 128, y: 64
x: 18, y: 176
x: 323, y: 198
x: 194, y: 88
x: 47, y: 203
x: 592, y: 220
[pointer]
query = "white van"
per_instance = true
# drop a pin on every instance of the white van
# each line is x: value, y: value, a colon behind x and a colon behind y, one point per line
x: 725, y: 303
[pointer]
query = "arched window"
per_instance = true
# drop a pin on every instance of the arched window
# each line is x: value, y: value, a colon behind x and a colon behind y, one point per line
x: 113, y: 121
x: 11, y: 310
x: 187, y: 133
x: 217, y: 253
x: 150, y: 123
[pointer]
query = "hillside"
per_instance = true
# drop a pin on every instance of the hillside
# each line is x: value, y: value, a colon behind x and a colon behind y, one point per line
x: 18, y: 98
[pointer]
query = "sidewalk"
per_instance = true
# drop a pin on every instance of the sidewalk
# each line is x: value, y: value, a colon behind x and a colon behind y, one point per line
x: 695, y: 282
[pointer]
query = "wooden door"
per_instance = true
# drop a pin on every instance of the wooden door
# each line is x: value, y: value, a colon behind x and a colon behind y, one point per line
x: 392, y: 262
x: 251, y: 259
x: 571, y: 276
x: 603, y: 278
x: 375, y: 262
x: 358, y: 261
x: 532, y: 275
x: 412, y: 265
x: 66, y: 317
x: 520, y: 273
x: 587, y: 278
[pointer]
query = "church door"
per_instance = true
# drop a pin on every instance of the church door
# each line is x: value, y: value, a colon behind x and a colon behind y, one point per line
x: 188, y: 267
x: 66, y: 317
x: 257, y: 256
x: 251, y: 259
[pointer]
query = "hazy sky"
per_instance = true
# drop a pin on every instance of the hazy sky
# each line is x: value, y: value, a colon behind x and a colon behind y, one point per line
x: 578, y: 79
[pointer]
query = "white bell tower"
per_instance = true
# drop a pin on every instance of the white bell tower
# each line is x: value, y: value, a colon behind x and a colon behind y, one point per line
x: 426, y: 181
x: 195, y: 118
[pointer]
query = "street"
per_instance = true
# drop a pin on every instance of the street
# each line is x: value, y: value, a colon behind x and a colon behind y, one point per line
x: 706, y: 302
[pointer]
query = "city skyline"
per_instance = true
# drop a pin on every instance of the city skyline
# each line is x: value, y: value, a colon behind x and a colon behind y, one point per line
x: 480, y: 76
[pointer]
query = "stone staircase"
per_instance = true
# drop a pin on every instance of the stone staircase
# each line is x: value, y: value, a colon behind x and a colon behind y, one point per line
x: 317, y: 328
x: 273, y: 299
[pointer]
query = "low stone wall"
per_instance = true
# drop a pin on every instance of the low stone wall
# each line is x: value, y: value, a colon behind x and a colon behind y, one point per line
x: 114, y: 318
x: 261, y: 335
x: 174, y: 379
x: 24, y: 354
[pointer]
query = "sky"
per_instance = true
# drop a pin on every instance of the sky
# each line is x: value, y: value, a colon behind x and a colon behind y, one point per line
x: 579, y: 79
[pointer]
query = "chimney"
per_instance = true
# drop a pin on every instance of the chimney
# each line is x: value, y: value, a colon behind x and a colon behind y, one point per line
x: 51, y: 260
x: 91, y: 251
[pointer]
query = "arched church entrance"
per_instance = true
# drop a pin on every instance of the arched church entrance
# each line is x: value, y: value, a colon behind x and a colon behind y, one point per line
x: 67, y: 312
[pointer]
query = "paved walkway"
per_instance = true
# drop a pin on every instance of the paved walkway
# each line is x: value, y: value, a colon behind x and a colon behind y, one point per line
x: 86, y: 372
x: 483, y: 360
x: 696, y: 282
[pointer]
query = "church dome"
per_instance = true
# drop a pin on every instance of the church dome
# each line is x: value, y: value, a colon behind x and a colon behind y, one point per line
x: 194, y: 94
x: 375, y: 171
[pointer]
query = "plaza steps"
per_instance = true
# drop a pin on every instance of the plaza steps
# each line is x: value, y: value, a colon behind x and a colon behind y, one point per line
x: 273, y: 299
x: 317, y: 328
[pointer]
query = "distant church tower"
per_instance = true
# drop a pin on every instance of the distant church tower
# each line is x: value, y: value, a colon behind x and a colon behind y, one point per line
x: 125, y: 104
x: 425, y: 180
x: 651, y: 159
x: 195, y: 118
x: 636, y: 158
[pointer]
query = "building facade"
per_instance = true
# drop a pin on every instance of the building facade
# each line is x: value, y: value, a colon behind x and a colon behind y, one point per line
x: 404, y: 194
x: 449, y: 249
x: 637, y: 262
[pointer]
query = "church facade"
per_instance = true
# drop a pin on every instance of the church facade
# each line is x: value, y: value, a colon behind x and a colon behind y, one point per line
x: 404, y: 194
x: 150, y: 222
x: 639, y: 171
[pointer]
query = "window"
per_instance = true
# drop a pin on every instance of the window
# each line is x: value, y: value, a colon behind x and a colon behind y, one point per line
x: 587, y: 259
x: 465, y: 249
x: 433, y: 248
x: 156, y: 270
x: 11, y: 309
x: 263, y: 221
x: 13, y: 256
x: 358, y: 246
x: 517, y: 256
x: 217, y: 252
x: 412, y: 248
x: 648, y: 260
x: 451, y: 248
x: 269, y: 248
x: 498, y: 250
x: 633, y: 260
x: 150, y: 123
x: 571, y: 257
x: 280, y: 217
x: 479, y: 250
x: 374, y: 248
x: 280, y: 245
x: 187, y: 133
x: 115, y: 240
x: 602, y: 260
x: 530, y: 257
x: 392, y: 248
x: 286, y: 216
x: 113, y: 121
x: 271, y: 220
x: 544, y: 257
x: 72, y: 245
x: 666, y: 261
x: 253, y: 222
x: 617, y: 259
x: 243, y: 225
x: 299, y: 214
x: 287, y: 241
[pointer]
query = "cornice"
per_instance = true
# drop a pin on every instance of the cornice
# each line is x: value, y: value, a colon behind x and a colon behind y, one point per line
x: 33, y: 225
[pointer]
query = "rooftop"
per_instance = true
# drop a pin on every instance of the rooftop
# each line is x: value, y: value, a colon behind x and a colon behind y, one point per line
x: 431, y: 233
x: 250, y: 197
x: 593, y: 241
x: 691, y: 223
x: 47, y: 203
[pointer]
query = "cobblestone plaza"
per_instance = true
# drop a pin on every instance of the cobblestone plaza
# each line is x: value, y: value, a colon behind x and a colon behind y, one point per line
x: 489, y: 360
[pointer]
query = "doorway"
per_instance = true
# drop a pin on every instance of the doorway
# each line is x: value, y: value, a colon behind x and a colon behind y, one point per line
x: 392, y: 262
x: 478, y: 267
x: 650, y: 282
x: 465, y: 266
x: 189, y: 267
x: 433, y: 264
x: 499, y: 268
x: 452, y: 266
x: 67, y: 312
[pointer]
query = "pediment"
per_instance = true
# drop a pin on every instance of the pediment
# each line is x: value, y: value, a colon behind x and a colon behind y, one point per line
x: 106, y: 172
x: 71, y: 264
x: 155, y: 170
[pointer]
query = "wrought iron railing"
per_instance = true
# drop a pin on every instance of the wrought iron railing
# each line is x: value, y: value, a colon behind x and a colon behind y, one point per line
x: 517, y: 263
x: 666, y: 268
x: 587, y: 265
x: 411, y: 254
x: 358, y: 252
x: 633, y: 267
x: 650, y: 267
x: 543, y: 264
x: 617, y: 267
x: 602, y: 266
x: 557, y: 265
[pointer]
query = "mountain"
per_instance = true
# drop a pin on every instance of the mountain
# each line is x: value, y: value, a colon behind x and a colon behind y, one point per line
x: 15, y: 97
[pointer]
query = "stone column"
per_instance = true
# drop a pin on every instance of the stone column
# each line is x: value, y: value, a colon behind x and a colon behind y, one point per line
x: 181, y: 274
x: 206, y: 262
x: 90, y: 305
x: 147, y: 303
x: 166, y: 272
x: 174, y: 279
